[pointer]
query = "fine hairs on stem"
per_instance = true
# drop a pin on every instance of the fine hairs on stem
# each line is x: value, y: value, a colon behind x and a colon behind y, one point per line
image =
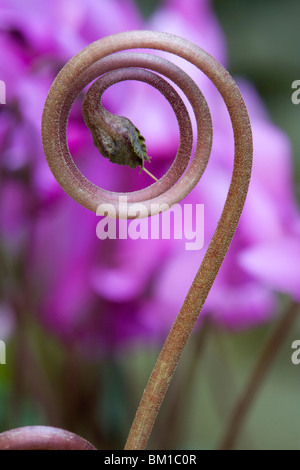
x: 99, y: 60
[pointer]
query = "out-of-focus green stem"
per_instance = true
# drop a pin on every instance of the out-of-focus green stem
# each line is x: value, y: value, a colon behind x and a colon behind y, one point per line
x: 261, y: 369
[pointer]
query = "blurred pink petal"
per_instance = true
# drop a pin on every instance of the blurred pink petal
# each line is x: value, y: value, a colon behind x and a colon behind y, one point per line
x: 105, y: 293
x: 275, y: 264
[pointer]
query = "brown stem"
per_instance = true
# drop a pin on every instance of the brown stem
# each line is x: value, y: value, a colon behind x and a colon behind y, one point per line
x: 86, y: 66
x: 261, y: 369
x: 171, y: 188
x: 187, y: 317
x: 181, y: 395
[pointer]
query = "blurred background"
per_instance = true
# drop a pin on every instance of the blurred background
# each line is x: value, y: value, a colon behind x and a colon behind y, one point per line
x: 83, y: 320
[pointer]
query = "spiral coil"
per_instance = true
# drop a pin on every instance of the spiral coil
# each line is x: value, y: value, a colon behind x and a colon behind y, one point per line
x: 99, y: 58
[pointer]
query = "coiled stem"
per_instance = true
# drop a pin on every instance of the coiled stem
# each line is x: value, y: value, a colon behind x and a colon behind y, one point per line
x: 42, y: 438
x: 98, y: 59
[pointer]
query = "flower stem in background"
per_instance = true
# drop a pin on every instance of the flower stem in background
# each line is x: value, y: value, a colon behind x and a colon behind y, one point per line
x: 261, y: 369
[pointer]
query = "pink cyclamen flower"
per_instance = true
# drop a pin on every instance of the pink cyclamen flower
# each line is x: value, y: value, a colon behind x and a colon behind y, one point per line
x: 264, y: 255
x: 106, y: 292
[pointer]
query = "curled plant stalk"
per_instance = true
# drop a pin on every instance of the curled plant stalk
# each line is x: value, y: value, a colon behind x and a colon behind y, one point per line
x: 98, y: 59
x: 42, y: 438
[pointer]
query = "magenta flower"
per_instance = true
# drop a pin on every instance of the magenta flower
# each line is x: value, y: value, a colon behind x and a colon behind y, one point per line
x: 264, y: 256
x: 105, y: 292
